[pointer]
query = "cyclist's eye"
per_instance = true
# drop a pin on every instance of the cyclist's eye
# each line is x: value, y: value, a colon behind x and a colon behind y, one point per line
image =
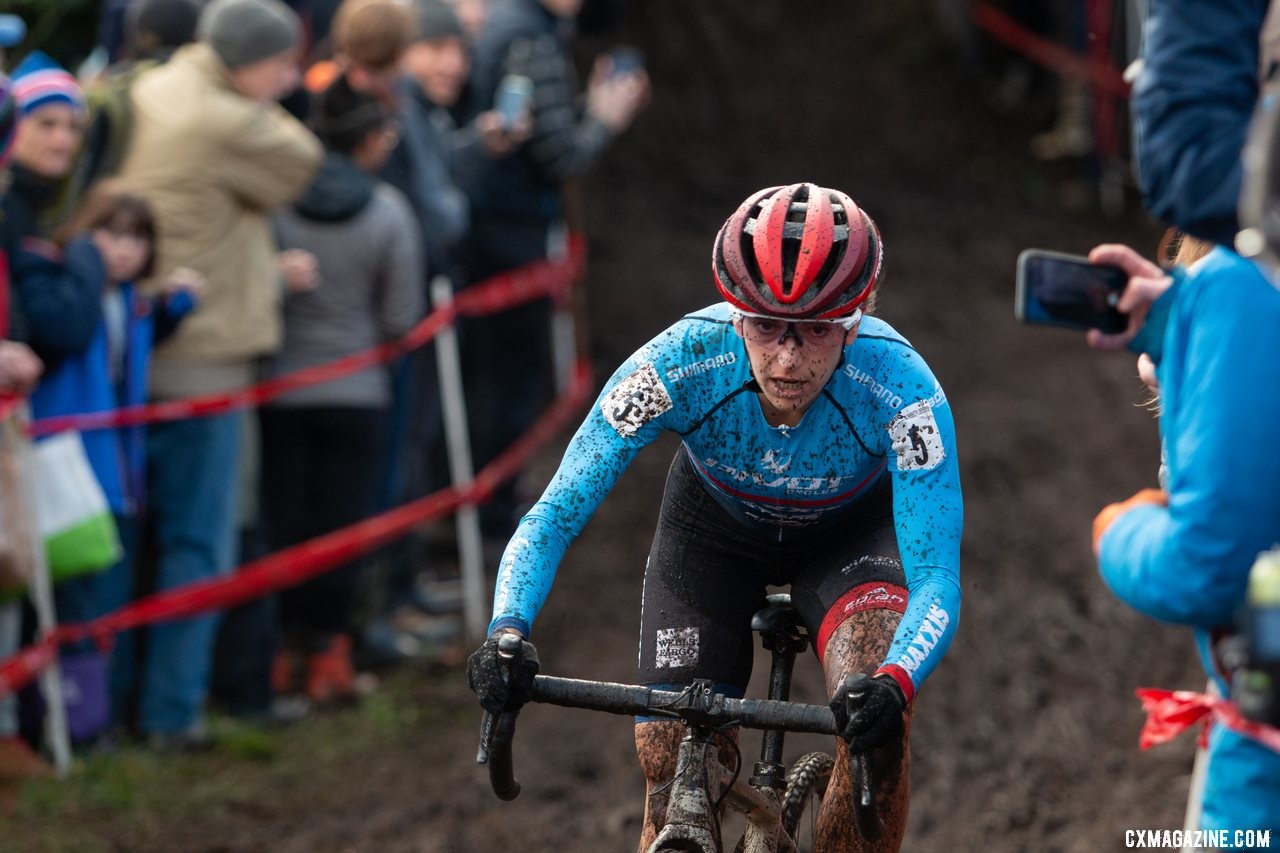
x: 817, y: 331
x: 765, y: 328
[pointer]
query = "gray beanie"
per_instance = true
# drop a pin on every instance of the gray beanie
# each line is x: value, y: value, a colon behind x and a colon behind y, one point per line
x: 243, y: 32
x: 436, y: 19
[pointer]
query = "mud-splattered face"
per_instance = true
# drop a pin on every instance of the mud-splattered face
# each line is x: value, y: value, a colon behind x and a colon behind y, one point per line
x: 792, y: 372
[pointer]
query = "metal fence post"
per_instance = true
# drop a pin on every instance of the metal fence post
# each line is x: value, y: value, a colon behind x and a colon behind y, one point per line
x: 41, y: 592
x: 454, y: 404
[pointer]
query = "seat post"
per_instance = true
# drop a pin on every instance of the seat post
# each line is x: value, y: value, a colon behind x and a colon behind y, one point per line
x: 783, y: 635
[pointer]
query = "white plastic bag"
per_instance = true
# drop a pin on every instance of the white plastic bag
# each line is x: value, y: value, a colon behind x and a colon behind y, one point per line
x: 72, y: 514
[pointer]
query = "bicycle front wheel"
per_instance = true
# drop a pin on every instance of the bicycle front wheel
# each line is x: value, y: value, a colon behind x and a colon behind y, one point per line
x: 808, y: 777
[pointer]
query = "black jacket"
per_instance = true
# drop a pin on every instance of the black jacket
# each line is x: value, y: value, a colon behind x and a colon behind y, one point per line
x: 522, y: 37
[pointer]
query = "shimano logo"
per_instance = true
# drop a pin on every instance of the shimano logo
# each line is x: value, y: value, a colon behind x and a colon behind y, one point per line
x: 878, y: 391
x: 675, y: 374
x: 937, y: 399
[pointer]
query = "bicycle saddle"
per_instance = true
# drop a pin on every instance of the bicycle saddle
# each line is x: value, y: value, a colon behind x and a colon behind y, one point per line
x: 777, y: 614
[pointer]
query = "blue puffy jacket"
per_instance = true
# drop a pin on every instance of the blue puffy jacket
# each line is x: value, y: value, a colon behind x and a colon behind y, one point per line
x: 81, y: 382
x: 1188, y: 563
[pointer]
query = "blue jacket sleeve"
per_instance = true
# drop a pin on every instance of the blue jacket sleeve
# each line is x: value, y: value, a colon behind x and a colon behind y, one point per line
x: 60, y: 296
x: 1188, y: 563
x: 1192, y: 105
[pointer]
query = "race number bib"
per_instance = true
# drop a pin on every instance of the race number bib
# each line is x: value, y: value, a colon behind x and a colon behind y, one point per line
x: 916, y: 439
x: 635, y: 401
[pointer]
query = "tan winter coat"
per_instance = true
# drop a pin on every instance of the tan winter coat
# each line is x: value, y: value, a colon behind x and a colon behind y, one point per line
x: 215, y: 165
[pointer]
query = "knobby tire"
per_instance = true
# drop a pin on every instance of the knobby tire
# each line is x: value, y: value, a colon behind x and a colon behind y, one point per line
x: 808, y: 776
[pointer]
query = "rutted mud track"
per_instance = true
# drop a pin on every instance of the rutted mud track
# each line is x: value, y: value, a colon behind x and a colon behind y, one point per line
x: 1026, y: 737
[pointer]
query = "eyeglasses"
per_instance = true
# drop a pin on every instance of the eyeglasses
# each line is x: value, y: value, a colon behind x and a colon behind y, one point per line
x: 770, y: 332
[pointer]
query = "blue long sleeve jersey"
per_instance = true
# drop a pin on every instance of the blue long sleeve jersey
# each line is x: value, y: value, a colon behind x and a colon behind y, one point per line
x: 881, y: 414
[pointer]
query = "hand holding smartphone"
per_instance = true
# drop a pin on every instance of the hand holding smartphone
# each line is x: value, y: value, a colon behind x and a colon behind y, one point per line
x: 513, y: 98
x: 625, y: 60
x: 1067, y: 291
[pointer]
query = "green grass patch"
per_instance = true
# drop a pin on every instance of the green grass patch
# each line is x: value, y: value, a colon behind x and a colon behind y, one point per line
x: 116, y: 799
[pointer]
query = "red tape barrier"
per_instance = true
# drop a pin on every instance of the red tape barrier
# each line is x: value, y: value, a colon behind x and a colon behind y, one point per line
x: 1171, y: 712
x: 508, y: 290
x: 307, y: 559
x: 1101, y: 74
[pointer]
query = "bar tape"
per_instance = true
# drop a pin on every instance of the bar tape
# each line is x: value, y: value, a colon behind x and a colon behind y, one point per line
x: 307, y: 559
x: 552, y: 277
x: 1102, y: 75
x: 1171, y: 712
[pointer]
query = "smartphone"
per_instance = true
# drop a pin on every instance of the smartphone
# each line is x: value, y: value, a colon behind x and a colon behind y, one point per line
x: 1057, y: 289
x: 626, y: 60
x: 512, y: 99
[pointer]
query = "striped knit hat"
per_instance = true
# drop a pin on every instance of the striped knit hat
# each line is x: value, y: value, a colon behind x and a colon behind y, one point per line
x: 39, y: 81
x: 9, y: 119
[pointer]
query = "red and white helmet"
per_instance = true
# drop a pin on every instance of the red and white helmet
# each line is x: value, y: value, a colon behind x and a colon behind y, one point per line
x: 802, y: 252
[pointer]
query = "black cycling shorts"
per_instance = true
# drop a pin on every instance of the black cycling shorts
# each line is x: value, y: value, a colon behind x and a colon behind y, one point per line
x: 708, y: 574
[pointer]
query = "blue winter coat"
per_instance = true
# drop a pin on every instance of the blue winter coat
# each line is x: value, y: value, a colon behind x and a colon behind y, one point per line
x: 1189, y: 563
x: 81, y: 382
x: 1191, y: 110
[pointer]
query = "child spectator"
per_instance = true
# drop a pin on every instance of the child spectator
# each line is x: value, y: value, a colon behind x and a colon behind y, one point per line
x: 113, y: 233
x: 321, y: 445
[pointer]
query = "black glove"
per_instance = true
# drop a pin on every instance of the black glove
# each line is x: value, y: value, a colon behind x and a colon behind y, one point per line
x: 488, y: 676
x: 869, y: 711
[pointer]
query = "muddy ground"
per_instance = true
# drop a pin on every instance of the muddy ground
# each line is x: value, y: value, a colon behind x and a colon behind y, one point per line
x: 1026, y: 736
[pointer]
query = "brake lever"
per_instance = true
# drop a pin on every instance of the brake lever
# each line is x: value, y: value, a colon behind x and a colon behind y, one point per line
x: 508, y: 647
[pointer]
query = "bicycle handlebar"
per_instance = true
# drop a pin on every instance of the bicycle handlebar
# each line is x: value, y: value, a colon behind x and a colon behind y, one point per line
x: 709, y: 708
x: 691, y: 705
x: 704, y: 707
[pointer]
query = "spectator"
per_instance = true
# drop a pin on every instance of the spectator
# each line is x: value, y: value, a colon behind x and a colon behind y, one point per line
x: 57, y: 301
x: 214, y: 154
x: 1200, y: 70
x: 438, y: 155
x: 1182, y: 553
x: 368, y: 38
x: 154, y: 30
x: 321, y: 445
x: 472, y: 15
x: 114, y: 234
x: 19, y: 369
x: 517, y: 210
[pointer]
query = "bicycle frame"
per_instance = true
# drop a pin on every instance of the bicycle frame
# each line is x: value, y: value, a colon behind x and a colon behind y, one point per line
x: 693, y: 819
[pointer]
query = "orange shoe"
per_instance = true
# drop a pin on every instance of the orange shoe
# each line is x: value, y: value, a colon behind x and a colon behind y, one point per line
x: 286, y: 672
x: 330, y: 675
